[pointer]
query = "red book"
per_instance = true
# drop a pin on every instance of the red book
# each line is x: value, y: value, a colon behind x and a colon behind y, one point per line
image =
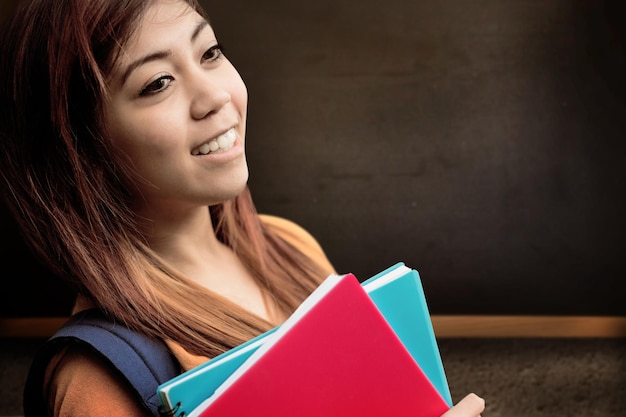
x: 335, y: 356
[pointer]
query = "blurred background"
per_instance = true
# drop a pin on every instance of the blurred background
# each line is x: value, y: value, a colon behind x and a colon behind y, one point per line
x: 481, y: 142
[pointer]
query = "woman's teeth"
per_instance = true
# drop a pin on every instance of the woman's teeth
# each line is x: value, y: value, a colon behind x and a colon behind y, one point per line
x: 222, y: 142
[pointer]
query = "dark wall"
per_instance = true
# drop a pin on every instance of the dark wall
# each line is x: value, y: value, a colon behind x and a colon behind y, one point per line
x: 480, y: 142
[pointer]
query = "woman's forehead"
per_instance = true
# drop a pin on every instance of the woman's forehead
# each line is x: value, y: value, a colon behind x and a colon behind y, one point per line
x: 165, y: 25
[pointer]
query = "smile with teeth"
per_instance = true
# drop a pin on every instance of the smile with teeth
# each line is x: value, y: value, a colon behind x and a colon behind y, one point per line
x: 223, y: 142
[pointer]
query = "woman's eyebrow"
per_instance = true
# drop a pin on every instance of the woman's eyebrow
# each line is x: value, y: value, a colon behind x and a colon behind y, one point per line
x: 199, y: 28
x: 143, y: 60
x: 160, y: 54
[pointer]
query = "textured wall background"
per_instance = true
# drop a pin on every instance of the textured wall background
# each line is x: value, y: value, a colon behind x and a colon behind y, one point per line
x: 479, y: 141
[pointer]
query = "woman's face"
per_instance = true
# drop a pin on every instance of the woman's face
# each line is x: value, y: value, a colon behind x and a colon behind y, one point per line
x: 177, y: 112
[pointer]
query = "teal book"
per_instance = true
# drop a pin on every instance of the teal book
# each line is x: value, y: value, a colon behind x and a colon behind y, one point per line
x: 398, y: 294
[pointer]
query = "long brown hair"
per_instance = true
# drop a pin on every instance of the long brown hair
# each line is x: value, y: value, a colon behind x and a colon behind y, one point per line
x: 67, y: 192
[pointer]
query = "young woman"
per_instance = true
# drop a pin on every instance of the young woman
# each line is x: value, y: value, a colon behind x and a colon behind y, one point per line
x: 122, y: 158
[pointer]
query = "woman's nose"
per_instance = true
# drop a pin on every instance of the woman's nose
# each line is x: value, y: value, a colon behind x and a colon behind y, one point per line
x: 208, y: 93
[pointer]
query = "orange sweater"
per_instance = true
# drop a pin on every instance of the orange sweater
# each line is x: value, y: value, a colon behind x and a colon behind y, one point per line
x: 79, y: 384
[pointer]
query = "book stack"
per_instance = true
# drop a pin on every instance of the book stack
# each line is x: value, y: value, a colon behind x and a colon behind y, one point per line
x: 351, y: 349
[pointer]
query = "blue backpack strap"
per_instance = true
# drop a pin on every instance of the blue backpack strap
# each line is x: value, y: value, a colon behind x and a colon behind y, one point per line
x: 144, y: 362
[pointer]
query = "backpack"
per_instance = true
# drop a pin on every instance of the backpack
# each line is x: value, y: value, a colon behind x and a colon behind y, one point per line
x: 144, y: 362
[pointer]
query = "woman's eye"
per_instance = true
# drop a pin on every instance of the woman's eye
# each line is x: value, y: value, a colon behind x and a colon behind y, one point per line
x: 214, y: 53
x: 157, y: 85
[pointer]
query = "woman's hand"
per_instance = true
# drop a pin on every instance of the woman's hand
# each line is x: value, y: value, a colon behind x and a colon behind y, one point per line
x: 470, y: 406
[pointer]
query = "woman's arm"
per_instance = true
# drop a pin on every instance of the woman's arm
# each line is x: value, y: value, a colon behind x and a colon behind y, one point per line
x: 80, y: 384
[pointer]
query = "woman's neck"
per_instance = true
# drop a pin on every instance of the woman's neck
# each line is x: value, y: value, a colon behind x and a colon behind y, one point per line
x: 190, y: 245
x: 187, y: 241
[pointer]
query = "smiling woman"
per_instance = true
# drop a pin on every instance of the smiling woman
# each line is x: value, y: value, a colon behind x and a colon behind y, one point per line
x: 109, y: 179
x: 122, y: 157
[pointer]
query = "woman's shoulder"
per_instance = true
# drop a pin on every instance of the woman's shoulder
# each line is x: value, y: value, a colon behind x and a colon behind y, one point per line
x: 291, y: 232
x: 299, y: 237
x: 288, y: 228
